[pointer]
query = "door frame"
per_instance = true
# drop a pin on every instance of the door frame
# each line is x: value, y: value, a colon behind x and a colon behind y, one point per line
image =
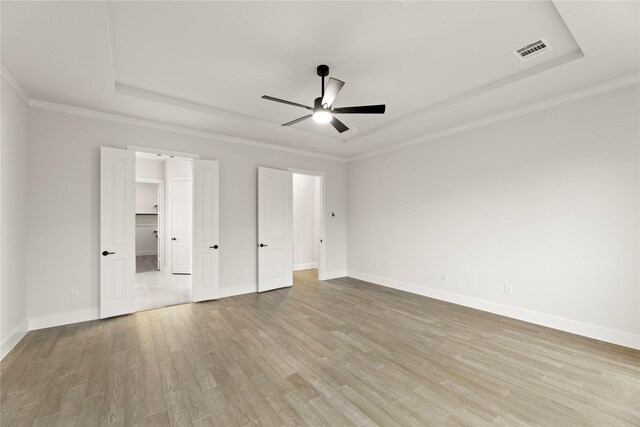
x: 321, y: 232
x: 160, y: 152
x: 161, y: 218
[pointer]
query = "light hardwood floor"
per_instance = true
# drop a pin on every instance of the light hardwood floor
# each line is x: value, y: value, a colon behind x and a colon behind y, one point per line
x: 335, y: 353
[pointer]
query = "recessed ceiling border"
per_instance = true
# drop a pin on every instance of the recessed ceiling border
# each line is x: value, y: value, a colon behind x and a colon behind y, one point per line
x: 130, y: 90
x: 542, y: 105
x: 148, y: 95
x: 51, y: 106
x: 465, y: 96
x: 13, y: 84
x: 480, y: 90
x: 527, y: 109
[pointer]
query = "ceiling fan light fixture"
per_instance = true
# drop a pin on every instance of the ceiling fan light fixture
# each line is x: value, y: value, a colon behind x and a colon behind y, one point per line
x: 323, y: 111
x: 322, y: 116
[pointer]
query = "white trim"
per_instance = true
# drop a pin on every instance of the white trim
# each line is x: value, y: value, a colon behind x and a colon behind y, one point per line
x: 305, y: 266
x: 423, y: 113
x: 155, y: 151
x: 306, y: 172
x: 150, y: 180
x: 527, y: 109
x: 61, y: 108
x: 198, y: 107
x: 66, y: 318
x: 623, y: 338
x: 13, y: 83
x: 238, y: 290
x: 334, y: 275
x: 14, y: 338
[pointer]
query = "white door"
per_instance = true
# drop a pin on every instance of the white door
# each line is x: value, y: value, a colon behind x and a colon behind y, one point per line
x: 181, y: 223
x: 117, y: 232
x: 275, y: 229
x: 206, y: 243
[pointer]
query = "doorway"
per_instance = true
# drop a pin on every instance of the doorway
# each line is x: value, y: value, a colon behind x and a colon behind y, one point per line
x: 306, y: 222
x: 118, y: 172
x: 276, y: 228
x: 164, y: 188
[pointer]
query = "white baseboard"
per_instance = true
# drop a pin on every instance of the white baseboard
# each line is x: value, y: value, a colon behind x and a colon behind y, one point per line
x: 144, y: 253
x: 48, y: 321
x: 238, y: 290
x: 305, y: 266
x: 328, y: 275
x: 623, y: 338
x: 14, y: 338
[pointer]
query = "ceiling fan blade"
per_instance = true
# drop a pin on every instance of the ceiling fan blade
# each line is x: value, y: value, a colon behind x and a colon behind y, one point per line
x: 293, y: 122
x: 331, y: 91
x: 363, y: 109
x: 295, y: 104
x: 340, y: 127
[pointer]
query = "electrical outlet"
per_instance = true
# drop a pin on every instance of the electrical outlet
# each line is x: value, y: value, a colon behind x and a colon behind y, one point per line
x: 444, y: 277
x: 245, y: 274
x: 377, y: 267
x: 508, y: 289
x: 73, y: 295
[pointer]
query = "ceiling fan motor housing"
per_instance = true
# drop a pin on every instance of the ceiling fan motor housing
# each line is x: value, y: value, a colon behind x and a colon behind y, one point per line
x: 317, y: 104
x: 323, y: 70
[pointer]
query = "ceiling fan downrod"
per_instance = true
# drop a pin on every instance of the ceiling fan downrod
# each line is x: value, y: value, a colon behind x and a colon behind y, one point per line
x: 323, y: 71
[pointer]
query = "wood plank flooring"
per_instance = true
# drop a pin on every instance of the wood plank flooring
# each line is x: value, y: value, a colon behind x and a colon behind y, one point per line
x: 334, y: 353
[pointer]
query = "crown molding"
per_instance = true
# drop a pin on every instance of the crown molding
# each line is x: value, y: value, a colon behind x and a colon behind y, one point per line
x: 51, y: 106
x: 469, y: 94
x: 542, y: 105
x: 160, y: 98
x: 78, y: 111
x: 13, y: 83
x: 527, y: 109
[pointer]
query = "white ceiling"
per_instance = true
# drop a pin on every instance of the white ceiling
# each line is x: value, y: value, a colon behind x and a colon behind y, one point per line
x: 205, y: 65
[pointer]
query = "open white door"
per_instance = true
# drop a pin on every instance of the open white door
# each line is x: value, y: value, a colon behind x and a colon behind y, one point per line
x: 206, y: 252
x: 275, y: 229
x: 181, y: 225
x: 117, y: 232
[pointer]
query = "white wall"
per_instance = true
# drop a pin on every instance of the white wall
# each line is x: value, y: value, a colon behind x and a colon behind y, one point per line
x: 547, y: 202
x: 306, y: 197
x: 64, y: 184
x: 149, y: 168
x: 13, y: 218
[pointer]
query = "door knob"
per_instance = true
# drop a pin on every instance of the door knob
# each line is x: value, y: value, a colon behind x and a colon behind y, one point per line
x: 263, y: 245
x: 173, y: 238
x: 105, y: 253
x: 213, y: 247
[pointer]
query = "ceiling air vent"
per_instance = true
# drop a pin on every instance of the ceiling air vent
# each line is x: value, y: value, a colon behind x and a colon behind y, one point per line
x: 532, y: 49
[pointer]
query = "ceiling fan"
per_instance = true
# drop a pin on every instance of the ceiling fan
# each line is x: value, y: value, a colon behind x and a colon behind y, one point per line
x: 323, y: 110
